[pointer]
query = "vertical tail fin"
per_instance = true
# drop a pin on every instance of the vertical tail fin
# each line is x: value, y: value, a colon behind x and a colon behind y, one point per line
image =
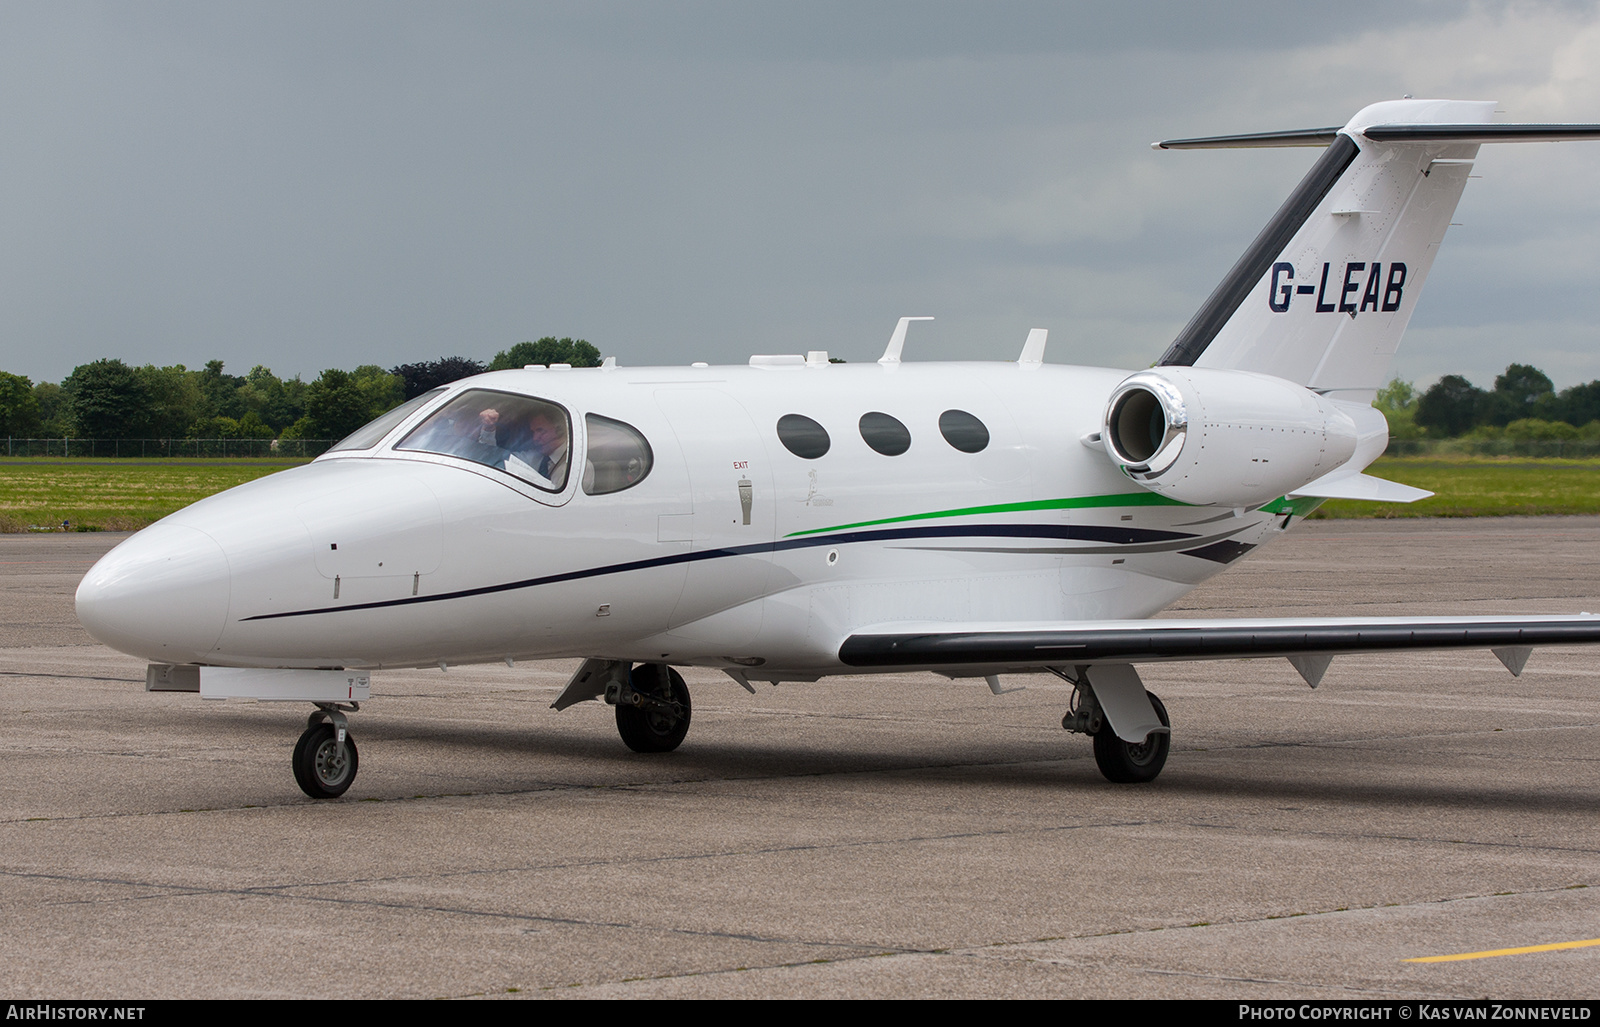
x: 1325, y: 291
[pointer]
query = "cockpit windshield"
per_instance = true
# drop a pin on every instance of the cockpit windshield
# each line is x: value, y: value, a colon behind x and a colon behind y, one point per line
x: 369, y: 434
x: 529, y: 438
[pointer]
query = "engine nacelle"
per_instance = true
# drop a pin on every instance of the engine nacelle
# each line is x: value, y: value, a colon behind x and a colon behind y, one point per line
x: 1216, y: 437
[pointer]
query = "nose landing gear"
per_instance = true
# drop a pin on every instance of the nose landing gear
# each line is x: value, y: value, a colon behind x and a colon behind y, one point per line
x: 325, y: 757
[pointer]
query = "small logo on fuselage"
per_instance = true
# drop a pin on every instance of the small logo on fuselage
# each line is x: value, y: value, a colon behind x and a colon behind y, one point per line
x: 1382, y: 288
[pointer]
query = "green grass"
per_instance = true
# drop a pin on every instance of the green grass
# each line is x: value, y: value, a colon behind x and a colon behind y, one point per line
x: 1481, y: 486
x: 121, y: 495
x: 114, y: 495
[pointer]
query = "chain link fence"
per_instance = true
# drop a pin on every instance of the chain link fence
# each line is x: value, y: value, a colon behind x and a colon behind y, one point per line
x: 229, y: 448
x: 1571, y: 449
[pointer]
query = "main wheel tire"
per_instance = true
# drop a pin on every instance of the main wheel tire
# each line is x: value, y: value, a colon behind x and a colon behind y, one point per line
x: 648, y: 730
x: 318, y: 768
x: 1128, y: 762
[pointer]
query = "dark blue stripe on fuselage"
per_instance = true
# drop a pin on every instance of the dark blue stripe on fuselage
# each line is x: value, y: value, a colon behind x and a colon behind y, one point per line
x: 1225, y: 551
x: 1113, y: 535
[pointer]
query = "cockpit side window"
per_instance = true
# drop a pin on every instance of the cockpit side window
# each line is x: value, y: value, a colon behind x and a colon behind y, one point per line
x: 526, y: 437
x: 371, y: 433
x: 618, y: 456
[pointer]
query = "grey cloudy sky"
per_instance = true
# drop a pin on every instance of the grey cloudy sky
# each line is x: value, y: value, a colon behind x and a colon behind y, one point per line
x: 307, y: 185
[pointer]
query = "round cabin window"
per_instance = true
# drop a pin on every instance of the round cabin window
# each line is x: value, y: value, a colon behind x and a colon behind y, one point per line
x: 963, y: 431
x: 885, y: 434
x: 802, y: 436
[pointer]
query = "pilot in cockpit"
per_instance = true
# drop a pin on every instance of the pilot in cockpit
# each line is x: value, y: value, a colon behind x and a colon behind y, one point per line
x: 527, y: 437
x: 465, y: 433
x: 542, y: 448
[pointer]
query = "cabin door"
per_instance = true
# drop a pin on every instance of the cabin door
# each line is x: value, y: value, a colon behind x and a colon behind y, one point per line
x: 731, y: 530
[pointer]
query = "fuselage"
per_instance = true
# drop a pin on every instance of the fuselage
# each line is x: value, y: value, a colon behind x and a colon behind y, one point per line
x: 938, y: 492
x: 794, y: 518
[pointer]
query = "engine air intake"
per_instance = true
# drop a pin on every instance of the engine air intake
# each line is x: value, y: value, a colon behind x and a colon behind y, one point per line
x: 1146, y: 422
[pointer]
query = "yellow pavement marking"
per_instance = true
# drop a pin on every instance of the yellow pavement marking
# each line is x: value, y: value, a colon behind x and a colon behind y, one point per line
x: 1505, y: 952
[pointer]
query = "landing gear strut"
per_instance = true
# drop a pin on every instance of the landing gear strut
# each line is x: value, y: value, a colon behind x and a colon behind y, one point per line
x: 652, y: 708
x: 1119, y: 760
x: 325, y: 757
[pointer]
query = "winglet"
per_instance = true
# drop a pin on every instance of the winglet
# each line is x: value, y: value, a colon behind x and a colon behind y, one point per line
x: 897, y: 341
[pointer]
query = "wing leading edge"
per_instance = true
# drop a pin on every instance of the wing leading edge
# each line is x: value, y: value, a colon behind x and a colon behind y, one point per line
x: 1036, y: 646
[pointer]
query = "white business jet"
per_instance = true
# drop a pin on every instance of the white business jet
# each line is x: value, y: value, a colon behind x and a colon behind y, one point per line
x: 795, y: 518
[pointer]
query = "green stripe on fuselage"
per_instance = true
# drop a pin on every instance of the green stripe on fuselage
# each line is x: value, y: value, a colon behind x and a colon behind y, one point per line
x: 1076, y: 503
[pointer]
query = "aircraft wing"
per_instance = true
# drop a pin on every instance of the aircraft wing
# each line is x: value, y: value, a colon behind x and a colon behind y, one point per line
x: 1307, y: 641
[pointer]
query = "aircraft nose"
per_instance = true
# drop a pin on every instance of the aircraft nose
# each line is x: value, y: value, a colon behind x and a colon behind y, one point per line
x: 162, y: 595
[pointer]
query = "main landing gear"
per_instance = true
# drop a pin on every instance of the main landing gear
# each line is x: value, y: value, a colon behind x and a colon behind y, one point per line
x: 1133, y: 762
x: 652, y: 708
x: 1120, y: 761
x: 325, y: 757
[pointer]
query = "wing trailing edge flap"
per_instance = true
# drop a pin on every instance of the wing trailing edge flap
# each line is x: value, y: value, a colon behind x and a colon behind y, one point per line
x: 1309, y: 643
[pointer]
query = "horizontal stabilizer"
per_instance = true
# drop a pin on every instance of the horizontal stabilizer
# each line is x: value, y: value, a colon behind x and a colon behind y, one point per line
x: 1479, y: 133
x: 1362, y: 486
x: 1293, y: 137
x: 1390, y: 134
x: 1061, y: 644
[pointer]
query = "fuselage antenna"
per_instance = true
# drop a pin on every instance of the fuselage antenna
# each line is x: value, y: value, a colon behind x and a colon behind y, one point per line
x: 897, y: 341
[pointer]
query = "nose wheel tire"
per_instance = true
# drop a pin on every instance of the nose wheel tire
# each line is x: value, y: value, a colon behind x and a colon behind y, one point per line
x: 1128, y: 762
x: 661, y: 726
x: 320, y: 769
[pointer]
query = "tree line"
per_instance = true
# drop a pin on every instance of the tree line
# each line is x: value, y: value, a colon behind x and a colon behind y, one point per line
x: 1523, y: 406
x: 109, y: 399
